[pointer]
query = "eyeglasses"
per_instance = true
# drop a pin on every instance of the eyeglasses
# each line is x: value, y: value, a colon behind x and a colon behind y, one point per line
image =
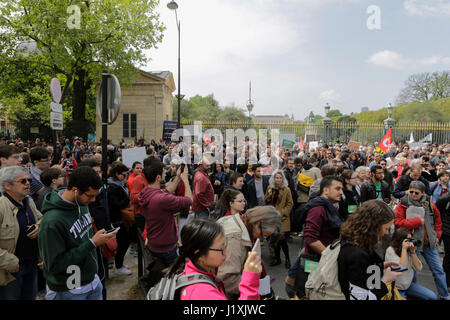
x: 90, y: 196
x: 221, y: 250
x: 415, y: 192
x: 24, y: 180
x: 241, y: 201
x: 45, y: 160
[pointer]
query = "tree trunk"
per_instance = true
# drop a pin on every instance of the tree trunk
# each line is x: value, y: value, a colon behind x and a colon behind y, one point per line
x: 80, y: 125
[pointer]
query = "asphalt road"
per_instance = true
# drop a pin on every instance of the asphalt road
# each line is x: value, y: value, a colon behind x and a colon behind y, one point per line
x: 279, y: 273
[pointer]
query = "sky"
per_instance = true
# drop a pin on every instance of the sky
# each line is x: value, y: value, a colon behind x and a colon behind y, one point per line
x: 301, y: 54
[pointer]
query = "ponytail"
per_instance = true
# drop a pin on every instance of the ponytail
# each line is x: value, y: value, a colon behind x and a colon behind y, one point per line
x: 228, y: 196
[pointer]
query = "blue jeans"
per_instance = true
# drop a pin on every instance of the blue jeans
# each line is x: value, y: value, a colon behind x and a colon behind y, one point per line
x: 167, y: 257
x: 435, y: 264
x: 25, y: 285
x: 201, y: 214
x: 417, y: 291
x: 95, y: 294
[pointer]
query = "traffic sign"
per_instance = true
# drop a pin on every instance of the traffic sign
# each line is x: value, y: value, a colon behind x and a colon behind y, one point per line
x: 56, y: 107
x: 114, y: 98
x: 55, y: 89
x: 56, y: 124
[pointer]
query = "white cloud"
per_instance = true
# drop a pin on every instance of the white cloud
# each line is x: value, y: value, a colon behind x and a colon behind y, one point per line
x: 331, y: 95
x: 394, y: 60
x: 427, y: 7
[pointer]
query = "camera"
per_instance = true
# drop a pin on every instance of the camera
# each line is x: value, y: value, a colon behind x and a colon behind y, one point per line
x: 415, y: 242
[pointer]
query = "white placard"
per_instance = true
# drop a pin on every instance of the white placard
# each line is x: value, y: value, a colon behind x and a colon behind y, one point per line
x: 56, y: 107
x: 56, y: 116
x: 129, y: 156
x: 313, y: 145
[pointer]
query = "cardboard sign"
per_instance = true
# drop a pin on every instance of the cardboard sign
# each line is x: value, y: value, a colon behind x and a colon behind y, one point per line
x: 133, y: 154
x: 288, y: 144
x: 353, y: 145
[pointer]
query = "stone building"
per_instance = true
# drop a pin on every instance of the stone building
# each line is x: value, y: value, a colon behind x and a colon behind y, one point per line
x: 145, y: 105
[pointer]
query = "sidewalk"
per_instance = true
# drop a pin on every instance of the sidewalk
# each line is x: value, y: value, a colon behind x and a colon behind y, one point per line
x: 122, y: 287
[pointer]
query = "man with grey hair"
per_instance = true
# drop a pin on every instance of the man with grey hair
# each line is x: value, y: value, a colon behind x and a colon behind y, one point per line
x: 18, y: 236
x: 418, y: 214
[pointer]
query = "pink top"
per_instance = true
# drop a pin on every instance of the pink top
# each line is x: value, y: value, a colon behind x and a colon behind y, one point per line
x: 204, y: 291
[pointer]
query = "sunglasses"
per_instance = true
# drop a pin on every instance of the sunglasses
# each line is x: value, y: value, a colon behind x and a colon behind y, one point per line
x: 24, y: 180
x: 415, y: 192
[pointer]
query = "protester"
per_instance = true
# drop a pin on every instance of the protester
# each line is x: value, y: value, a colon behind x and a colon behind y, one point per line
x: 241, y: 234
x: 363, y: 174
x: 66, y: 239
x: 158, y: 207
x: 417, y: 214
x: 232, y: 202
x: 40, y: 159
x: 403, y: 182
x: 350, y: 199
x: 256, y: 187
x: 376, y: 188
x: 136, y: 170
x: 443, y: 205
x: 441, y: 186
x: 52, y: 179
x: 279, y: 195
x: 359, y: 236
x: 403, y: 252
x: 120, y: 212
x: 9, y: 156
x: 20, y: 221
x: 203, y: 191
x: 204, y: 248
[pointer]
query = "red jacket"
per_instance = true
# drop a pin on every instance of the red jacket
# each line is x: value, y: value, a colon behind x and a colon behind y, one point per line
x: 414, y: 223
x: 203, y: 193
x: 139, y: 183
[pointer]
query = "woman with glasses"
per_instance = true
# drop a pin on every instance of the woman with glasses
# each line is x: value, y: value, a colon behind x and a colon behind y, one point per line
x: 232, y: 202
x: 204, y: 250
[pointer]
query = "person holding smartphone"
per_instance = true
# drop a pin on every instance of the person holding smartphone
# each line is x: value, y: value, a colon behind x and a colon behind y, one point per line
x: 19, y: 226
x: 403, y: 251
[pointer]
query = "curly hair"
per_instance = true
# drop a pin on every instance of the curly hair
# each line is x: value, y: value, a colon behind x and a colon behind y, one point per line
x: 362, y: 227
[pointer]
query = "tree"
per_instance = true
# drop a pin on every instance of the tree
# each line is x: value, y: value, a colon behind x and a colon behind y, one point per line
x: 232, y: 114
x: 110, y: 35
x: 334, y: 114
x: 424, y: 87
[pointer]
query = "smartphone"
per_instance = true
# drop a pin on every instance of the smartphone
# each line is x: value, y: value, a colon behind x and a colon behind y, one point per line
x: 401, y: 268
x: 112, y: 230
x: 31, y: 228
x: 257, y: 247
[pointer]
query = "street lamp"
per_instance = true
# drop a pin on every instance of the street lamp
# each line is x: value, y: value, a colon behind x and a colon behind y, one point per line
x: 172, y: 5
x: 250, y: 102
x: 327, y: 123
x: 389, y: 122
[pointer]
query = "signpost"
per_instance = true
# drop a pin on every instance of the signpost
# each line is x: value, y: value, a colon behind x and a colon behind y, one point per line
x: 168, y: 128
x: 109, y: 97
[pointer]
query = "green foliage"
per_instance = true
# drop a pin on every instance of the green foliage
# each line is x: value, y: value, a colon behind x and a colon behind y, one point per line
x: 206, y: 109
x: 438, y: 111
x: 112, y: 35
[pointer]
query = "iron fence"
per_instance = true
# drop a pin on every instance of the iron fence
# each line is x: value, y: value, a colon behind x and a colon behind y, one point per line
x: 343, y: 131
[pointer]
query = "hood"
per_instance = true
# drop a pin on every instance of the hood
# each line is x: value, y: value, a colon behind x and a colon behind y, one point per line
x: 54, y: 201
x: 146, y: 194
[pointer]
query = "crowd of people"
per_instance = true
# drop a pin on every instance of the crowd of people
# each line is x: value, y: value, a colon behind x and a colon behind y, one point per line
x: 62, y: 225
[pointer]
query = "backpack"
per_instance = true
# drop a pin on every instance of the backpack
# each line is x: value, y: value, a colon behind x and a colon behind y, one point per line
x: 167, y: 288
x: 304, y: 182
x: 323, y: 283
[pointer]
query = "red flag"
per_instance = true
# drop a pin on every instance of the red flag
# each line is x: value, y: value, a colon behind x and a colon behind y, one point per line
x: 385, y: 143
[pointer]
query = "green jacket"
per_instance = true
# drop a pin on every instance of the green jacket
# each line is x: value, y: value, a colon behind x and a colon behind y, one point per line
x: 64, y: 241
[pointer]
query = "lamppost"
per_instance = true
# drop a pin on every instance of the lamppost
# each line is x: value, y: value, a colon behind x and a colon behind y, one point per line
x: 389, y: 122
x: 172, y: 5
x: 327, y: 123
x: 250, y: 101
